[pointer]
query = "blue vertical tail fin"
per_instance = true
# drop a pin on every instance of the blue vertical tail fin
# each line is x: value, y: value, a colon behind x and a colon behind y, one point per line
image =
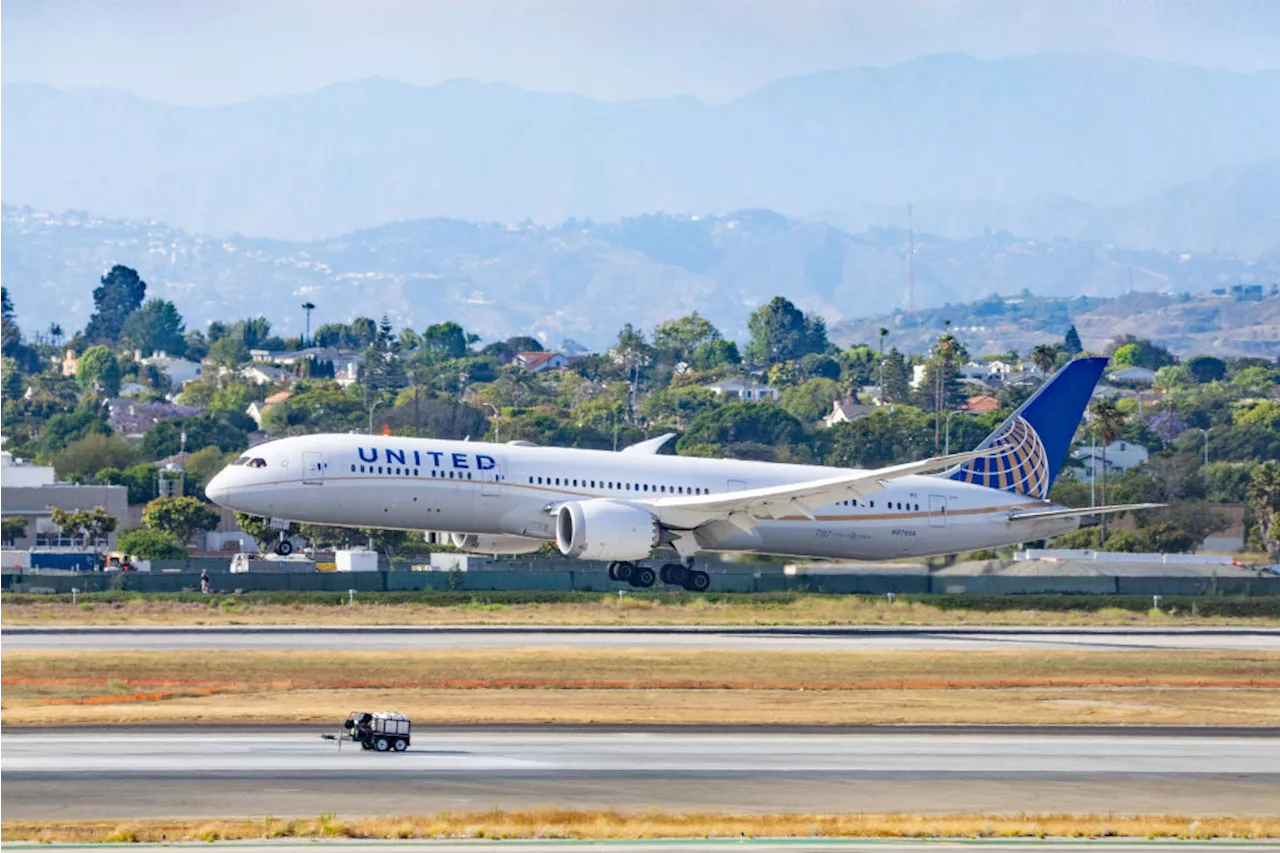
x: 1028, y: 449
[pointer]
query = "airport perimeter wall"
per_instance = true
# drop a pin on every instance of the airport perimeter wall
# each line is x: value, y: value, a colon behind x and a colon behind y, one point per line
x: 596, y: 580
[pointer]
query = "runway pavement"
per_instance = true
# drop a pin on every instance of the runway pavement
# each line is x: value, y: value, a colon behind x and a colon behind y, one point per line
x: 114, y: 775
x: 744, y: 639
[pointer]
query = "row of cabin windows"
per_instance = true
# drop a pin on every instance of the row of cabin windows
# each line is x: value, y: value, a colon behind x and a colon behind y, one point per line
x: 622, y: 487
x: 603, y: 484
x: 387, y: 470
x: 891, y: 505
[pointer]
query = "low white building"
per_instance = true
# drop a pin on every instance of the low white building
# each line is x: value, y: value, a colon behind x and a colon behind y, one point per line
x: 1121, y: 455
x: 846, y: 412
x: 179, y: 370
x: 748, y: 390
x: 1133, y: 375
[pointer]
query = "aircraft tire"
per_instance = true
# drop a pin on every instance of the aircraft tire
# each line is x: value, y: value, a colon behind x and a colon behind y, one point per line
x: 284, y: 547
x: 624, y: 571
x: 643, y: 577
x: 697, y: 581
x: 673, y: 573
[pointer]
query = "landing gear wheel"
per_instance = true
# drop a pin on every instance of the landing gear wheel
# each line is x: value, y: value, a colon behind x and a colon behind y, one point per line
x: 613, y: 570
x: 643, y: 577
x: 401, y: 745
x: 697, y: 581
x: 284, y: 547
x: 673, y: 573
x: 381, y: 744
x: 624, y: 571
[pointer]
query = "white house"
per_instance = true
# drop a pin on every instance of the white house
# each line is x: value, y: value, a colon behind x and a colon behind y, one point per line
x: 179, y: 370
x: 846, y: 412
x: 1121, y: 456
x: 264, y: 374
x: 749, y: 390
x: 537, y: 362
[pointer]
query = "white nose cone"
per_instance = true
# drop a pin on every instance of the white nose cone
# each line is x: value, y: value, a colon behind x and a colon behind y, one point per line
x: 218, y: 489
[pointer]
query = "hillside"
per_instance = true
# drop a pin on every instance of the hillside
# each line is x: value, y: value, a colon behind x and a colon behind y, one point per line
x: 578, y: 280
x: 1040, y: 145
x: 1188, y: 324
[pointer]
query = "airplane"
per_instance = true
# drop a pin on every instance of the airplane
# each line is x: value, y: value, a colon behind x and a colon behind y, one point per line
x: 628, y: 506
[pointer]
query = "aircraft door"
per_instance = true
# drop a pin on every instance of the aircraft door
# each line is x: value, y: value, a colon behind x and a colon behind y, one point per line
x: 491, y: 480
x: 937, y: 510
x: 313, y: 466
x: 736, y: 486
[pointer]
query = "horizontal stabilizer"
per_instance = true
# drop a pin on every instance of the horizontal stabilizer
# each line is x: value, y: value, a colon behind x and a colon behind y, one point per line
x: 1069, y: 513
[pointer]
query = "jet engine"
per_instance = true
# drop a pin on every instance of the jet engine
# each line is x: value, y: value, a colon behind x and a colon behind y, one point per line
x: 605, y: 530
x: 486, y: 543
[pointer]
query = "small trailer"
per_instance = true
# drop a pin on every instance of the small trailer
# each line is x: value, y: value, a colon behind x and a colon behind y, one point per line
x: 381, y: 731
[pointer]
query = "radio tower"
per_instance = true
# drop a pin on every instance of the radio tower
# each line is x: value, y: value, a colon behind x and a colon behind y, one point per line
x: 911, y: 254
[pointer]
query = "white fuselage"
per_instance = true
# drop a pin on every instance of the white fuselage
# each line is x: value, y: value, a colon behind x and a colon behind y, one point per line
x: 506, y: 489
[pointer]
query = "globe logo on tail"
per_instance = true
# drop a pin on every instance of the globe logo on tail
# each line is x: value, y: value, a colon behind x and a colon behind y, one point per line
x: 1017, y: 463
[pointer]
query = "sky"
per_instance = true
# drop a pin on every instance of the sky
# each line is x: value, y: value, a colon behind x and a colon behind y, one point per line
x: 201, y: 52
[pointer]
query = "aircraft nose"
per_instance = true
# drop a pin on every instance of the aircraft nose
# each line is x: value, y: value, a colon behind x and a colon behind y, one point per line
x: 219, y: 488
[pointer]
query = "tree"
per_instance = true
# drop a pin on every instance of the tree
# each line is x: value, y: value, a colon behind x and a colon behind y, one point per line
x: 1045, y: 357
x: 743, y: 423
x: 165, y: 438
x: 682, y: 337
x: 120, y: 294
x: 11, y: 386
x: 812, y: 400
x: 896, y: 384
x: 156, y: 327
x: 1108, y: 420
x: 180, y: 517
x: 718, y: 353
x: 780, y: 332
x: 65, y: 427
x: 1071, y: 343
x: 1264, y: 501
x: 12, y: 528
x: 98, y: 372
x: 1131, y: 351
x: 443, y: 341
x: 140, y: 480
x: 1206, y: 368
x: 91, y: 525
x: 229, y: 354
x: 146, y: 544
x: 80, y: 460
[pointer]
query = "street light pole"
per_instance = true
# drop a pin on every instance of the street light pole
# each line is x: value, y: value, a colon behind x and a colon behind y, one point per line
x: 307, y: 306
x: 947, y: 452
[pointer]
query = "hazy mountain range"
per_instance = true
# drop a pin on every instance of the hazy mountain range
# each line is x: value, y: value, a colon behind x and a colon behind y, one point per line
x: 578, y: 280
x: 1129, y: 152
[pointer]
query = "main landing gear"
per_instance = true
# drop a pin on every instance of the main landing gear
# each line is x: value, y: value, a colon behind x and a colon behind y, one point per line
x: 672, y: 574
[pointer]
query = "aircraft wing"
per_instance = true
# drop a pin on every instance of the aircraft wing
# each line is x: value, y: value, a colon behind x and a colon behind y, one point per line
x: 742, y: 508
x: 1069, y: 513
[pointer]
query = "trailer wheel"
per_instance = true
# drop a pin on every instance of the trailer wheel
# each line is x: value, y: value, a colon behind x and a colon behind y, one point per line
x: 381, y: 744
x: 364, y: 744
x: 401, y: 745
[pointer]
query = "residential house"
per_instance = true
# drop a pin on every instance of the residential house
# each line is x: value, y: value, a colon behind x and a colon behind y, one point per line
x: 265, y: 374
x: 256, y: 409
x: 750, y: 390
x: 70, y: 362
x: 134, y: 418
x: 1121, y: 455
x: 982, y: 404
x: 537, y: 362
x: 846, y: 412
x: 179, y: 370
x: 1133, y: 375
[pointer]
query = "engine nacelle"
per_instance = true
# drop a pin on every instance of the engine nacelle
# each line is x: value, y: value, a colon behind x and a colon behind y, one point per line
x: 486, y: 543
x: 605, y: 530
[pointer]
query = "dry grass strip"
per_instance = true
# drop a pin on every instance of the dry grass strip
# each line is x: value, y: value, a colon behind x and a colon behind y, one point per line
x: 608, y: 610
x: 569, y: 824
x: 621, y: 686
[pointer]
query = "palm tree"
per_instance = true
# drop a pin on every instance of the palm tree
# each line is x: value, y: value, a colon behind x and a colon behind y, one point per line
x: 308, y: 306
x: 1263, y: 494
x: 1044, y: 357
x: 1108, y: 420
x: 884, y: 333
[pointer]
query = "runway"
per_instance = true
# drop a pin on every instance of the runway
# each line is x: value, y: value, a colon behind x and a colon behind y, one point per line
x: 114, y: 775
x: 755, y: 845
x: 379, y: 638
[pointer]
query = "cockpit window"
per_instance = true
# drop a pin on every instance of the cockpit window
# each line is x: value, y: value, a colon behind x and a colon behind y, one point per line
x: 241, y: 461
x: 257, y: 462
